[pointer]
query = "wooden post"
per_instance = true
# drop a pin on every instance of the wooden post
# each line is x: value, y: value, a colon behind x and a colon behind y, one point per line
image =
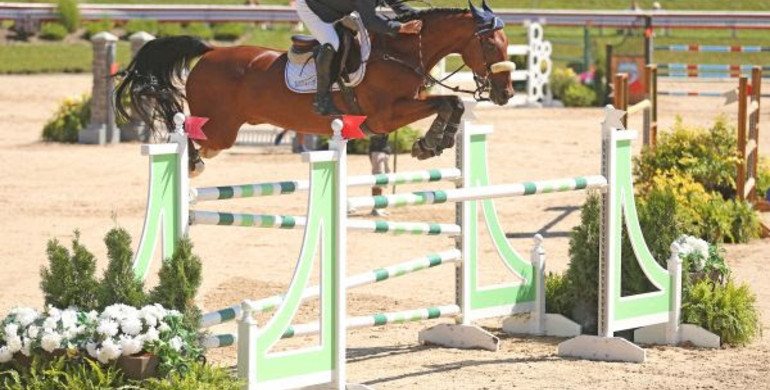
x: 620, y: 100
x: 608, y: 73
x: 753, y: 155
x: 740, y: 180
x: 649, y: 33
x: 651, y: 115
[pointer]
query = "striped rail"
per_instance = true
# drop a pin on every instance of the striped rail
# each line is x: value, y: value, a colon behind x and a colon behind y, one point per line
x: 219, y: 340
x: 290, y: 187
x: 368, y: 321
x: 709, y: 67
x: 198, y: 217
x: 399, y: 317
x: 713, y: 94
x: 713, y: 49
x: 479, y: 193
x: 369, y: 277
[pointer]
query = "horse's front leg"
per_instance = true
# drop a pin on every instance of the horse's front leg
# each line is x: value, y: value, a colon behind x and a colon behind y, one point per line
x: 408, y: 111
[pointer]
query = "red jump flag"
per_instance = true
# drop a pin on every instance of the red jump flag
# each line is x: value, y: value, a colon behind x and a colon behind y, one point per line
x: 351, y: 126
x: 193, y: 125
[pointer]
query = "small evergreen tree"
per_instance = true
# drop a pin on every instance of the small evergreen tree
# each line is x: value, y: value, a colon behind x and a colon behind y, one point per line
x: 69, y: 280
x: 119, y: 284
x: 180, y: 278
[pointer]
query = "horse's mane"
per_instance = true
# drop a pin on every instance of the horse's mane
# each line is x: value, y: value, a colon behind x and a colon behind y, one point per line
x: 422, y: 13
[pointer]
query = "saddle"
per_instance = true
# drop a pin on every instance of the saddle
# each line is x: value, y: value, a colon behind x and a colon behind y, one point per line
x: 349, y: 62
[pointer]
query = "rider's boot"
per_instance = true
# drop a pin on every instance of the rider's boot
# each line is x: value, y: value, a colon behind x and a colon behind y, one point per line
x: 324, y: 105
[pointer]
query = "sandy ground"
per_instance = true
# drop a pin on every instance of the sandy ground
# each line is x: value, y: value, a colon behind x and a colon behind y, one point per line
x: 49, y: 190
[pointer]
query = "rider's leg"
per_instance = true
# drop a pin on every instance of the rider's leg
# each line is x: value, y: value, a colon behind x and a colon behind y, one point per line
x: 330, y: 43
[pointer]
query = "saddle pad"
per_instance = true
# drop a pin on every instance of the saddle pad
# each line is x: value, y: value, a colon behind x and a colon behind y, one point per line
x: 301, y: 76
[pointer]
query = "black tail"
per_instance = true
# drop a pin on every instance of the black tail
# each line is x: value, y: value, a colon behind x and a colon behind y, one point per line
x: 153, y: 81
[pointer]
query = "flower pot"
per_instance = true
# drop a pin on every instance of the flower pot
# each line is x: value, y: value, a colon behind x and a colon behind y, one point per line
x: 138, y: 367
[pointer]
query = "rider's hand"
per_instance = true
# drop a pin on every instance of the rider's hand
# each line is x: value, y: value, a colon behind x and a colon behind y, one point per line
x: 411, y: 27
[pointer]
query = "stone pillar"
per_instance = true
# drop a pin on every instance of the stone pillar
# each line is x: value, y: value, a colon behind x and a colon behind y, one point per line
x: 102, y: 128
x: 136, y: 130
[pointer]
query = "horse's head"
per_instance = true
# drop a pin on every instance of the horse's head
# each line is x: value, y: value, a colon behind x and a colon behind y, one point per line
x: 487, y: 54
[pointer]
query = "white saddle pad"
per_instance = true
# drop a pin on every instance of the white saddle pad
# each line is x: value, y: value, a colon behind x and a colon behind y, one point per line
x: 301, y: 76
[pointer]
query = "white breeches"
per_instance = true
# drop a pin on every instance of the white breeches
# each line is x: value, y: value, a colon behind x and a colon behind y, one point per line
x: 322, y: 31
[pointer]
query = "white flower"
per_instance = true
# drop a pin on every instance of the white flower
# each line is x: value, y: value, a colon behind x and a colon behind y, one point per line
x: 50, y: 341
x: 5, y: 355
x: 151, y: 335
x: 91, y: 349
x: 14, y: 343
x: 25, y: 315
x: 11, y: 329
x: 92, y: 316
x: 33, y: 331
x: 112, y: 311
x: 108, y: 351
x: 176, y: 344
x: 54, y: 313
x: 130, y: 345
x: 69, y: 318
x: 71, y: 333
x: 27, y: 348
x: 107, y: 328
x: 131, y: 326
x: 50, y: 323
x: 163, y: 327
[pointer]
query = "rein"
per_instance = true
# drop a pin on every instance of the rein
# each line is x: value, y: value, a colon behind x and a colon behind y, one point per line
x: 482, y: 82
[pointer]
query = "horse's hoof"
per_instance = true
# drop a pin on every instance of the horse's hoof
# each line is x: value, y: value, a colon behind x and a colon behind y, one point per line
x: 198, y: 169
x: 448, y: 142
x: 208, y: 153
x: 420, y: 152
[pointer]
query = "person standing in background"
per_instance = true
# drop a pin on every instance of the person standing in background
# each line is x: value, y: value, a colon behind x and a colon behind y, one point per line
x: 379, y: 155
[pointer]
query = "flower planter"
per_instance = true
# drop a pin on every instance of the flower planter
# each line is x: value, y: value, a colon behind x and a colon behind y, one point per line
x: 138, y: 367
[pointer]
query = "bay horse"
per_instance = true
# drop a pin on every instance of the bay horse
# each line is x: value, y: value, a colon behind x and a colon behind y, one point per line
x: 245, y: 84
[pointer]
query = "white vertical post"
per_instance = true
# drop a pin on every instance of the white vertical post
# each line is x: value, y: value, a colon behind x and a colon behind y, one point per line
x: 463, y: 219
x: 675, y: 273
x: 537, y: 257
x: 247, y: 353
x: 607, y: 251
x: 339, y: 145
x: 180, y: 138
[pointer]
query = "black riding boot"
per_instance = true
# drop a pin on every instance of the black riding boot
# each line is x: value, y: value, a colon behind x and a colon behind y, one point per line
x: 324, y: 105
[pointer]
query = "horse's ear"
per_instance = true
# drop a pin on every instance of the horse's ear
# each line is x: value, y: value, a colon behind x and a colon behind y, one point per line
x: 486, y: 8
x: 475, y: 11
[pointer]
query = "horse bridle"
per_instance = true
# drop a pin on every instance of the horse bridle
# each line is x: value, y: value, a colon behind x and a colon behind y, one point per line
x: 483, y: 84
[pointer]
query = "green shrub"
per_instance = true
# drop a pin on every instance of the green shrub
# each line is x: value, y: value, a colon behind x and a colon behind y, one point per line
x: 228, y: 31
x: 137, y: 25
x: 53, y: 31
x: 180, y: 278
x: 119, y: 284
x: 70, y: 14
x: 71, y: 117
x: 199, y: 30
x: 93, y: 28
x: 709, y: 156
x: 561, y: 80
x: 729, y: 311
x: 763, y: 178
x: 84, y: 373
x: 400, y: 140
x: 170, y: 30
x: 69, y: 279
x: 578, y: 95
x: 557, y: 294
